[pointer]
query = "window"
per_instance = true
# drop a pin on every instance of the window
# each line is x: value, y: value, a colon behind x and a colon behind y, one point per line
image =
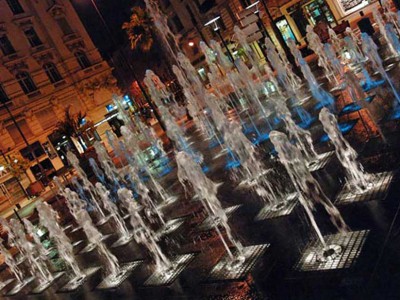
x: 26, y: 82
x: 32, y: 37
x: 5, y: 46
x: 3, y: 95
x: 52, y: 72
x: 15, y: 134
x: 82, y: 59
x: 15, y: 7
x: 64, y: 26
x: 35, y: 148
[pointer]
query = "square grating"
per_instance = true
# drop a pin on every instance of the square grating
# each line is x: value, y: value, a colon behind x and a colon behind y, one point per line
x: 320, y: 163
x: 112, y: 282
x: 90, y: 247
x: 224, y: 271
x: 351, y: 243
x: 378, y: 191
x: 73, y: 284
x: 19, y: 286
x: 211, y: 221
x: 171, y: 226
x: 270, y: 212
x: 122, y: 241
x: 162, y: 278
x: 44, y: 286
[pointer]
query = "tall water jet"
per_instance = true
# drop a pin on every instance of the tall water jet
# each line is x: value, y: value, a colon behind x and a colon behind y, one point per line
x: 163, y: 30
x: 344, y: 152
x: 22, y: 279
x: 371, y: 51
x: 302, y: 138
x: 104, y: 195
x: 142, y: 232
x: 324, y: 98
x: 132, y: 157
x: 144, y: 193
x: 381, y: 25
x: 30, y: 229
x: 190, y: 174
x: 48, y: 218
x: 308, y: 189
x: 38, y: 266
x: 107, y: 164
x: 392, y: 37
x: 114, y: 273
x: 315, y: 44
x: 13, y: 240
x: 279, y: 62
x: 87, y: 186
x: 194, y: 106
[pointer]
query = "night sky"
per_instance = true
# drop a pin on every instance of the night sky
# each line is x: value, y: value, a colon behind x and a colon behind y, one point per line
x: 115, y: 13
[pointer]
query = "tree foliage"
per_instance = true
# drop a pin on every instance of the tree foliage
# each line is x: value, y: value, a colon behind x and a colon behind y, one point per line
x: 140, y: 29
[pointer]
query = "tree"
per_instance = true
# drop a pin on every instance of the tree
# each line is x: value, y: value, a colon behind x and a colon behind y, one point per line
x: 140, y: 29
x: 75, y: 127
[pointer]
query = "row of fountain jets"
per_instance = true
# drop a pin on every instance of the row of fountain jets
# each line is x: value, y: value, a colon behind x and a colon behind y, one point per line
x: 243, y: 100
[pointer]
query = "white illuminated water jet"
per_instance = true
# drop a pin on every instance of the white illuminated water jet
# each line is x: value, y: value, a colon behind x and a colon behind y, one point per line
x: 87, y: 185
x: 48, y: 218
x: 190, y: 174
x: 77, y: 208
x: 344, y: 152
x: 144, y: 192
x: 111, y: 207
x: 371, y: 51
x: 302, y: 137
x: 142, y: 232
x: 315, y: 44
x: 37, y: 265
x: 107, y: 164
x: 132, y: 156
x: 12, y: 239
x: 325, y: 98
x: 30, y: 229
x: 308, y: 188
x: 13, y: 267
x: 381, y: 25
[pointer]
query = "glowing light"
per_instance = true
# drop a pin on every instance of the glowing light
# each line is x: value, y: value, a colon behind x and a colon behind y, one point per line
x: 191, y: 44
x: 252, y: 5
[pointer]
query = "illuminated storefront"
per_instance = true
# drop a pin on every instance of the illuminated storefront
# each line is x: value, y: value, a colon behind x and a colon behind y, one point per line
x: 298, y: 14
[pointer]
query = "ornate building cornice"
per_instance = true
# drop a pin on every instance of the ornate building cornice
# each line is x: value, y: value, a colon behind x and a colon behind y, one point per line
x: 57, y: 11
x: 16, y: 66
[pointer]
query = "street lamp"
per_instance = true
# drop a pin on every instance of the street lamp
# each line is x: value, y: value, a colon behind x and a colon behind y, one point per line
x: 257, y: 13
x: 218, y: 31
x: 126, y: 61
x: 278, y: 35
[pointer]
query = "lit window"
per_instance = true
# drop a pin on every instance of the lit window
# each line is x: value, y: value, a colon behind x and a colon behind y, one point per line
x: 32, y: 37
x: 6, y: 46
x: 15, y: 7
x: 26, y: 82
x: 82, y: 59
x: 52, y: 72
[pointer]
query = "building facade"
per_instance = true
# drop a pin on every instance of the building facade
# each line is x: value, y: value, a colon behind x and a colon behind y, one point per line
x: 47, y: 64
x: 187, y: 18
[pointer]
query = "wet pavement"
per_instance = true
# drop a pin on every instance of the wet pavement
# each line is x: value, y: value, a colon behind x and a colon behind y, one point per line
x: 374, y: 274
